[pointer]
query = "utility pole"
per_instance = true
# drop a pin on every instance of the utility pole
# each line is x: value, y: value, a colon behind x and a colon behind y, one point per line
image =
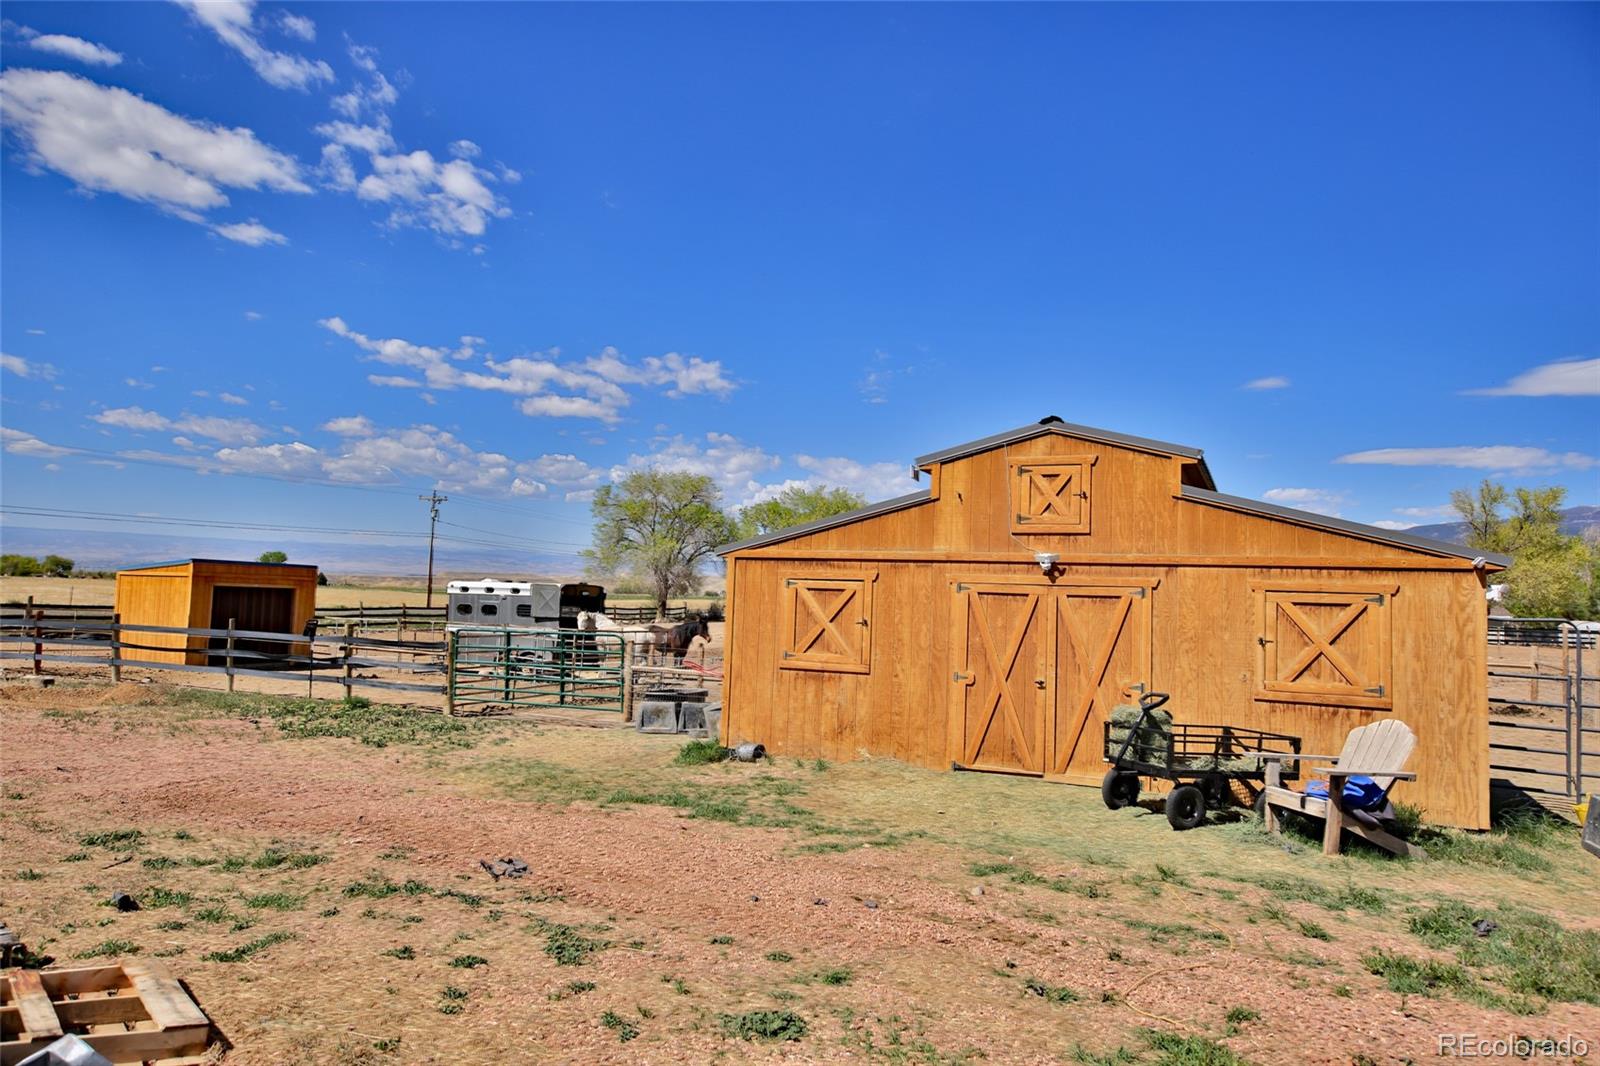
x: 433, y: 500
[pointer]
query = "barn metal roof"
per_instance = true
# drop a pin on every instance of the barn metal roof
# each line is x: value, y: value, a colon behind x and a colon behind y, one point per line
x: 1063, y: 429
x: 899, y: 503
x: 1397, y: 537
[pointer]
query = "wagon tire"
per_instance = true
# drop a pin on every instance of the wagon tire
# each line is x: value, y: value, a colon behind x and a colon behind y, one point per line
x: 1119, y: 789
x: 1215, y: 787
x: 1260, y: 805
x: 1186, y: 807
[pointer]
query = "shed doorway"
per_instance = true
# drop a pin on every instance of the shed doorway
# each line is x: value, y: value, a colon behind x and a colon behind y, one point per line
x: 1037, y: 668
x: 264, y: 610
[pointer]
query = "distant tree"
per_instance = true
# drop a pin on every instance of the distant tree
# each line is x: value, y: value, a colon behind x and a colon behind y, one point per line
x: 322, y: 578
x: 660, y: 525
x: 19, y: 566
x: 56, y: 566
x: 795, y: 505
x: 1553, y: 574
x: 273, y: 557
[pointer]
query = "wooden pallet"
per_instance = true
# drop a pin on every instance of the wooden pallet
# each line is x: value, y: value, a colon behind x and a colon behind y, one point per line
x: 132, y: 1012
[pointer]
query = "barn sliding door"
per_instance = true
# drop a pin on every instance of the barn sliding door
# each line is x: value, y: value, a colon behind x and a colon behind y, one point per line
x: 1036, y: 669
x: 1102, y: 649
x: 1000, y: 678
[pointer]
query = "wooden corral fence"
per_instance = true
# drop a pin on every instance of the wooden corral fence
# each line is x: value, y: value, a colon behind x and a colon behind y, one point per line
x: 630, y: 616
x: 71, y: 612
x: 1544, y: 710
x: 401, y: 620
x: 321, y: 658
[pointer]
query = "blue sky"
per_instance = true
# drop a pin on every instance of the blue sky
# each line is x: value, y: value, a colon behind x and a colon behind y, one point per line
x: 295, y: 263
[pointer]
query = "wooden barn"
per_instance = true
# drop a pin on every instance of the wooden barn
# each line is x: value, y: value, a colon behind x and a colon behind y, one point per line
x: 205, y: 594
x: 990, y: 621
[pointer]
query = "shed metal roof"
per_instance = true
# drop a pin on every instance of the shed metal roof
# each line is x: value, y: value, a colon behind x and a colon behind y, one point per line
x: 224, y: 562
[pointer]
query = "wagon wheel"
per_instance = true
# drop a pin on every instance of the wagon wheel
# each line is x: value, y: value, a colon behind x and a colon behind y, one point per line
x: 1217, y: 792
x: 1186, y: 807
x: 1260, y: 805
x: 1119, y: 789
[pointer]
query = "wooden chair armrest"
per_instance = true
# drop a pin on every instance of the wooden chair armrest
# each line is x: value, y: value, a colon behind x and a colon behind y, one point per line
x: 1340, y: 771
x: 1285, y: 756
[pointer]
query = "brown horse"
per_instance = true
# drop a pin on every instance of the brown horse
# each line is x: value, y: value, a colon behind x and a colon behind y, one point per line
x: 675, y: 640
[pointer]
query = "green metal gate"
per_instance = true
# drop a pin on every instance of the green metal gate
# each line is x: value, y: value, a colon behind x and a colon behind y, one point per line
x: 547, y: 669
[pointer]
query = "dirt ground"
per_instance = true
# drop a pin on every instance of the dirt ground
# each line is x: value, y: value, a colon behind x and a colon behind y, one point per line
x: 322, y: 898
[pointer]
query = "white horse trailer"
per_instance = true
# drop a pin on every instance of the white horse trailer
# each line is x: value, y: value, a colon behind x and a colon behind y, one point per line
x: 491, y: 602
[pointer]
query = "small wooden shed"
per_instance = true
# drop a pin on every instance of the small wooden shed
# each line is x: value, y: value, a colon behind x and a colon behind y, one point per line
x: 937, y: 628
x: 206, y: 594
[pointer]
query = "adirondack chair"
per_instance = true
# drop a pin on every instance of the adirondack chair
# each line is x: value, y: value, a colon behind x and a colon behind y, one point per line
x: 1378, y: 751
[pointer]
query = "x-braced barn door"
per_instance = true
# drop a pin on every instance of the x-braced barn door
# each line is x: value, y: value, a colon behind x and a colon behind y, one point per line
x: 1036, y: 670
x: 1102, y: 650
x: 1000, y: 680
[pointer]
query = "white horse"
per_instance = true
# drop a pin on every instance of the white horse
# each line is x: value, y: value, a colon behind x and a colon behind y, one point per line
x: 640, y: 643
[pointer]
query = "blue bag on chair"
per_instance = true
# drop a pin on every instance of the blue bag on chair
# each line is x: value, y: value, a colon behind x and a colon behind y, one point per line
x: 1360, y: 793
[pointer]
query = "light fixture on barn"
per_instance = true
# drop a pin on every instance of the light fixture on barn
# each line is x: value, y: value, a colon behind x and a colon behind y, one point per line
x: 1049, y: 562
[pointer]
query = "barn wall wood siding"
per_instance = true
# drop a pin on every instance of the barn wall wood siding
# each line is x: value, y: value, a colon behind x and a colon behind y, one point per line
x: 180, y: 595
x: 1205, y: 618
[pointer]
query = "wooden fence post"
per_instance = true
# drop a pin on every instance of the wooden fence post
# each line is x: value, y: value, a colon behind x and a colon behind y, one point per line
x: 38, y: 639
x: 229, y: 660
x: 450, y: 674
x: 116, y: 648
x: 349, y: 671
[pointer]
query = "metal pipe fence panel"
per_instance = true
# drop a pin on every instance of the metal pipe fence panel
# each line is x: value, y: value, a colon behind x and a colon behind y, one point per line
x: 546, y: 669
x: 1551, y: 685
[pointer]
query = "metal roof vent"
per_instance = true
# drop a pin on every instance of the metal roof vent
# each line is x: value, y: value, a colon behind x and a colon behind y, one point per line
x: 1050, y: 420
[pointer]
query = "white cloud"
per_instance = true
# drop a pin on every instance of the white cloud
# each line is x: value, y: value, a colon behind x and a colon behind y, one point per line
x: 72, y: 47
x: 37, y: 332
x: 212, y: 427
x: 1507, y: 457
x: 1573, y: 377
x: 732, y: 464
x: 1318, y: 501
x: 1389, y: 523
x: 135, y: 383
x: 278, y: 460
x: 297, y: 26
x: 236, y: 400
x: 350, y: 426
x: 253, y: 316
x: 233, y: 21
x: 109, y: 140
x: 1267, y: 383
x: 375, y: 138
x: 465, y: 149
x: 1444, y: 510
x: 546, y: 386
x: 17, y: 442
x: 565, y: 470
x: 875, y: 481
x: 252, y: 233
x: 21, y: 367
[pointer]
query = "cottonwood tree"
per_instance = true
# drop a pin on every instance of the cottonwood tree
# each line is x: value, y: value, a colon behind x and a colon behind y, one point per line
x: 273, y: 557
x: 795, y: 505
x: 1553, y: 574
x: 660, y: 526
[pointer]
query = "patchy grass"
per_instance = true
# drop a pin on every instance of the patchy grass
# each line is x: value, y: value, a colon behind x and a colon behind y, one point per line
x: 722, y: 938
x: 405, y: 952
x: 29, y: 874
x: 376, y: 725
x: 166, y: 897
x: 112, y: 838
x: 468, y: 962
x: 1524, y: 952
x: 1350, y: 896
x: 778, y: 956
x: 276, y: 901
x: 1049, y: 993
x: 109, y: 948
x: 1410, y: 976
x: 245, y: 951
x: 1022, y: 875
x: 624, y: 1029
x: 573, y: 988
x: 700, y: 752
x: 566, y: 943
x: 1174, y: 1050
x: 770, y: 1025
